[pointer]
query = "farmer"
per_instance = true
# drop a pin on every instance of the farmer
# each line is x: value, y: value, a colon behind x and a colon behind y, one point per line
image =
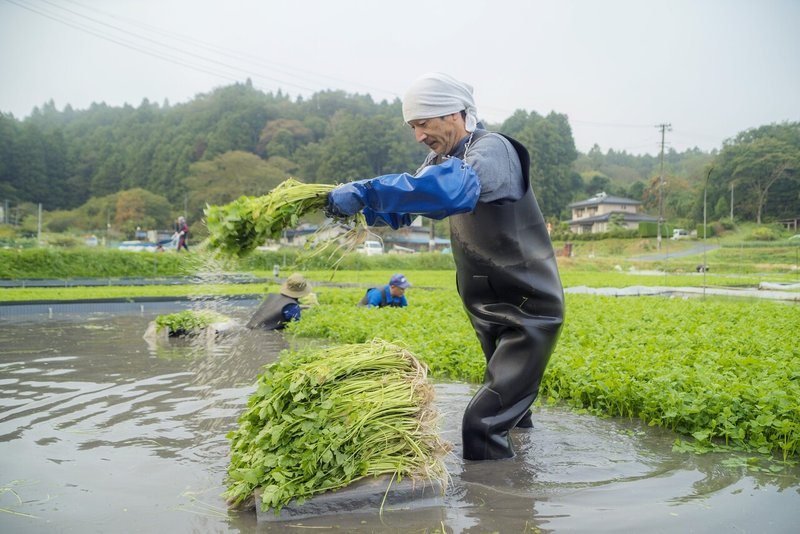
x: 279, y: 309
x: 506, y: 271
x: 182, y: 231
x: 392, y: 294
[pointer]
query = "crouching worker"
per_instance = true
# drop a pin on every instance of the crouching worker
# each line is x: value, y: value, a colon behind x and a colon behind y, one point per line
x: 392, y: 294
x: 278, y: 310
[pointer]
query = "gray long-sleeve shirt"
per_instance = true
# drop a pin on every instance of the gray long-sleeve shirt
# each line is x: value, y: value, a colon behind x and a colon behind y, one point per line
x: 497, y: 165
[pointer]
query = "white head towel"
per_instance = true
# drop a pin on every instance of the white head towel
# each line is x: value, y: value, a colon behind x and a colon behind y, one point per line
x: 436, y: 95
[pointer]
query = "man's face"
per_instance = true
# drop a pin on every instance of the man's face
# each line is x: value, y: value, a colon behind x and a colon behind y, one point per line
x: 441, y: 134
x: 397, y: 291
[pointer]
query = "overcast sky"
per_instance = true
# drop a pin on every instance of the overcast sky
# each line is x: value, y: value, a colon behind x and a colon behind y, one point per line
x: 616, y: 68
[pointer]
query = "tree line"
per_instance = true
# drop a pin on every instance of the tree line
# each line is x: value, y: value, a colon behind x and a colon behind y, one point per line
x: 127, y: 167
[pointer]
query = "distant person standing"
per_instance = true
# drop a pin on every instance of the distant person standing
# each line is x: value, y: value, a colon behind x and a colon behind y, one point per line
x: 182, y: 229
x: 392, y: 294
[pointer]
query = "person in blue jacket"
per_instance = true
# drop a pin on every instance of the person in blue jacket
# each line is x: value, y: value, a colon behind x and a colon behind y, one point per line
x: 279, y: 309
x: 506, y: 272
x: 392, y: 294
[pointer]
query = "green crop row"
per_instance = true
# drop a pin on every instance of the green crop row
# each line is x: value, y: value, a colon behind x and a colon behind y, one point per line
x: 722, y: 371
x: 88, y: 262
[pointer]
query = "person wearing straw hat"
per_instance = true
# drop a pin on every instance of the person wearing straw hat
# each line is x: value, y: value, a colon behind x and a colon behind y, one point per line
x: 279, y: 309
x: 506, y: 272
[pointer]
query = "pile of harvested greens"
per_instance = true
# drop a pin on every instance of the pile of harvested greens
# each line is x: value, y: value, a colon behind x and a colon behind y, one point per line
x: 187, y: 322
x: 321, y: 419
x: 239, y: 227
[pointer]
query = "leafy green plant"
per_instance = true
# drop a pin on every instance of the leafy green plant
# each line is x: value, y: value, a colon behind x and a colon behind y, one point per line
x: 239, y: 227
x: 321, y: 419
x: 187, y: 322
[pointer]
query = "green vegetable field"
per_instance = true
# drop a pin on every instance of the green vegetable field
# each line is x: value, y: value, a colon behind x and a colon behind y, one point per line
x: 725, y: 373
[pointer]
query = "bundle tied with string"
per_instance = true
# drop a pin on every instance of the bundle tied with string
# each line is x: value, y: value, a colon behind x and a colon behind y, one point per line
x: 239, y: 227
x: 322, y: 419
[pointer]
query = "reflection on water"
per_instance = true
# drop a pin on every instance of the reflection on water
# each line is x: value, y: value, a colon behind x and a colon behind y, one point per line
x: 100, y: 431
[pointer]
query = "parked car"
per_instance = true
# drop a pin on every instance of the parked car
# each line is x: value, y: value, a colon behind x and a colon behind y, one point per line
x: 370, y: 248
x: 680, y: 233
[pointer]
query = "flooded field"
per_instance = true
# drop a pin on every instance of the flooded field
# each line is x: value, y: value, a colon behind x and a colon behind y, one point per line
x: 101, y: 431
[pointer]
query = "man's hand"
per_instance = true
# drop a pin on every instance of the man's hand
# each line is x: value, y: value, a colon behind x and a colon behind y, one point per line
x: 344, y: 201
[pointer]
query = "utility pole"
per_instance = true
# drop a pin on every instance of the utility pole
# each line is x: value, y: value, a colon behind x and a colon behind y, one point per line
x: 663, y: 127
x: 705, y: 226
x: 731, y: 201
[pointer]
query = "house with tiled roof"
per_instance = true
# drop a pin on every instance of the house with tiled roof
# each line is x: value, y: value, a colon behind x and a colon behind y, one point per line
x: 594, y: 215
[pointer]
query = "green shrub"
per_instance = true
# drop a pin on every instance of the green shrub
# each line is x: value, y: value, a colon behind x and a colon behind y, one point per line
x: 764, y: 233
x: 709, y: 230
x: 650, y: 229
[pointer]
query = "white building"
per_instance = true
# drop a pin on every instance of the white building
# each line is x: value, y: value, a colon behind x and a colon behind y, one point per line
x: 593, y: 215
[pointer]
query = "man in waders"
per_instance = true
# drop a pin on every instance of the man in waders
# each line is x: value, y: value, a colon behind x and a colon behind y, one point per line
x: 506, y: 271
x: 279, y: 309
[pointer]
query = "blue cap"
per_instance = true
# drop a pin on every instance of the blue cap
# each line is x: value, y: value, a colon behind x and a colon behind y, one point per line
x: 400, y: 281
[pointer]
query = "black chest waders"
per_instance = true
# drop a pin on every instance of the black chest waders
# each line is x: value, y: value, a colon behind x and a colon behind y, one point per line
x: 508, y: 280
x: 269, y: 316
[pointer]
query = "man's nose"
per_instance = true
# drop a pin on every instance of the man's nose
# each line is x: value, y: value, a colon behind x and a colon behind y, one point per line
x: 419, y: 134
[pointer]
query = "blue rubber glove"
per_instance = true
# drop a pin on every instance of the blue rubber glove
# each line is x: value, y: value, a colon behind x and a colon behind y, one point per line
x: 437, y: 191
x: 345, y: 200
x: 395, y: 220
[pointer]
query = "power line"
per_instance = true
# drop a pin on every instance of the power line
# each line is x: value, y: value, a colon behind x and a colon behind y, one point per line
x: 163, y: 51
x: 290, y: 70
x: 135, y: 40
x: 96, y: 33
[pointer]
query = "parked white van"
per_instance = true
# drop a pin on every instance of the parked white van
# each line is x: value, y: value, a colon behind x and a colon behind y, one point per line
x: 680, y: 233
x: 370, y: 248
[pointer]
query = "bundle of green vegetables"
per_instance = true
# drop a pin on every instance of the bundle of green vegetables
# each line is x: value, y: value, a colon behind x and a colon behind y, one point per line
x: 187, y: 322
x: 239, y: 227
x: 321, y: 419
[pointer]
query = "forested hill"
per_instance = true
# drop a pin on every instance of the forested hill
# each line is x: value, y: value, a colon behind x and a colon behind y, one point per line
x: 238, y: 140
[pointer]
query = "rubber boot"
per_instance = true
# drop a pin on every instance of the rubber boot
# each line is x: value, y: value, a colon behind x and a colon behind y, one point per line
x: 484, y: 429
x: 511, y: 383
x: 526, y: 421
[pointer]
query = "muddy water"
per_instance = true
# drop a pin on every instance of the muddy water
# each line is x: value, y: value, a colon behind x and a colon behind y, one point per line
x: 102, y: 432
